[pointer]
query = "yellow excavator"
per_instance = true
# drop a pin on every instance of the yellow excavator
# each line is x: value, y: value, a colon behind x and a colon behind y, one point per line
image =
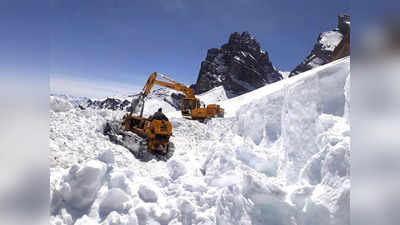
x: 191, y: 107
x: 146, y: 138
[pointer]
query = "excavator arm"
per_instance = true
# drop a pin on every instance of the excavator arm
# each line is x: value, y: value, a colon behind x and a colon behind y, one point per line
x: 171, y: 84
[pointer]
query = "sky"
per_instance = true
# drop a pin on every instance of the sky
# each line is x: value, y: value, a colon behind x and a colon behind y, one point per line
x: 101, y: 47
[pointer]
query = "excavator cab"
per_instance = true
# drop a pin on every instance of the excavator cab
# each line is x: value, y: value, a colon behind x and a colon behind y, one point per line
x: 188, y: 104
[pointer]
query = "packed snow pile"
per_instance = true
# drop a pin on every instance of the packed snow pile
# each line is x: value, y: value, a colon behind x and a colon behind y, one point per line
x: 280, y: 156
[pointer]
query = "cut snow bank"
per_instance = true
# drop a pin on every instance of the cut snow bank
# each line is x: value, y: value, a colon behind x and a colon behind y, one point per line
x: 328, y: 79
x: 290, y: 111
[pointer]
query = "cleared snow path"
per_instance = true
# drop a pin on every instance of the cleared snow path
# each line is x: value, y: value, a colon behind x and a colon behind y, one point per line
x: 281, y: 156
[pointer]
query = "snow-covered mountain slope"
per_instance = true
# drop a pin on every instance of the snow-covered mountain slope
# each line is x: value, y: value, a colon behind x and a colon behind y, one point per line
x: 326, y: 45
x: 213, y: 96
x: 75, y: 101
x: 280, y: 156
x: 165, y: 98
x: 285, y: 74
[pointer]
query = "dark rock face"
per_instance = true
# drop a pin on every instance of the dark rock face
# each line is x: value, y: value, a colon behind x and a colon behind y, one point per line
x: 171, y: 97
x: 330, y: 45
x: 108, y: 103
x: 239, y: 65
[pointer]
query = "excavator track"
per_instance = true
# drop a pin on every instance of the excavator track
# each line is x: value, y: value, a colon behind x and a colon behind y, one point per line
x: 134, y: 143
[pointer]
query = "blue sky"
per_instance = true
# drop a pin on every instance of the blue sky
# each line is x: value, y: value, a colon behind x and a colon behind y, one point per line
x: 88, y: 44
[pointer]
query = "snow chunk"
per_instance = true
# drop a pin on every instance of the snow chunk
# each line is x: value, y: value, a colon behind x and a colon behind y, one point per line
x: 147, y: 194
x: 59, y: 105
x: 185, y: 206
x: 107, y: 157
x: 232, y: 207
x: 116, y: 219
x: 114, y: 201
x: 187, y: 210
x: 81, y: 184
x: 144, y: 217
x: 175, y: 169
x: 119, y: 180
x: 85, y: 220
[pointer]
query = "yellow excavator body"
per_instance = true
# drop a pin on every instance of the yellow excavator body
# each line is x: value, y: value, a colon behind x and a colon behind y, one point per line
x: 156, y: 132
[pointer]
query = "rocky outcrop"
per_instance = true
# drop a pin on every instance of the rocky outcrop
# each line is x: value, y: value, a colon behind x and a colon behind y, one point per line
x: 171, y: 97
x: 108, y: 103
x: 330, y: 46
x: 239, y: 66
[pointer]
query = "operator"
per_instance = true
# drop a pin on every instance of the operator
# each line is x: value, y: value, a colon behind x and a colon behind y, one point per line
x: 159, y: 115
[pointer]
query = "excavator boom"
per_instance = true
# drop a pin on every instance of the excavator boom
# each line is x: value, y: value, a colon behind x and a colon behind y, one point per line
x: 173, y: 85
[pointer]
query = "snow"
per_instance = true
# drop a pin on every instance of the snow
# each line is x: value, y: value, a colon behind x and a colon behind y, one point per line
x: 347, y: 96
x: 113, y: 201
x: 213, y: 96
x: 58, y: 104
x: 107, y: 157
x: 281, y: 155
x: 147, y: 194
x: 175, y: 169
x: 285, y: 74
x: 330, y: 40
x: 79, y: 187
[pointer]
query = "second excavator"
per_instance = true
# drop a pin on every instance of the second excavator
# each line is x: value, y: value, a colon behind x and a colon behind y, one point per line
x: 191, y: 107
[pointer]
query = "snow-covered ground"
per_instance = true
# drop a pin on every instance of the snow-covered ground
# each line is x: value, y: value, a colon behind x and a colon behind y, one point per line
x: 280, y: 156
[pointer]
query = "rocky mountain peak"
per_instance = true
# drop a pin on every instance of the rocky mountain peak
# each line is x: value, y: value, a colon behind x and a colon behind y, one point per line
x: 239, y: 66
x: 242, y: 42
x: 344, y: 23
x: 330, y: 45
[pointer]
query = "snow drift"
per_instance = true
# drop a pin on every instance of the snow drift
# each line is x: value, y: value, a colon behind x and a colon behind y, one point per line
x: 280, y: 156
